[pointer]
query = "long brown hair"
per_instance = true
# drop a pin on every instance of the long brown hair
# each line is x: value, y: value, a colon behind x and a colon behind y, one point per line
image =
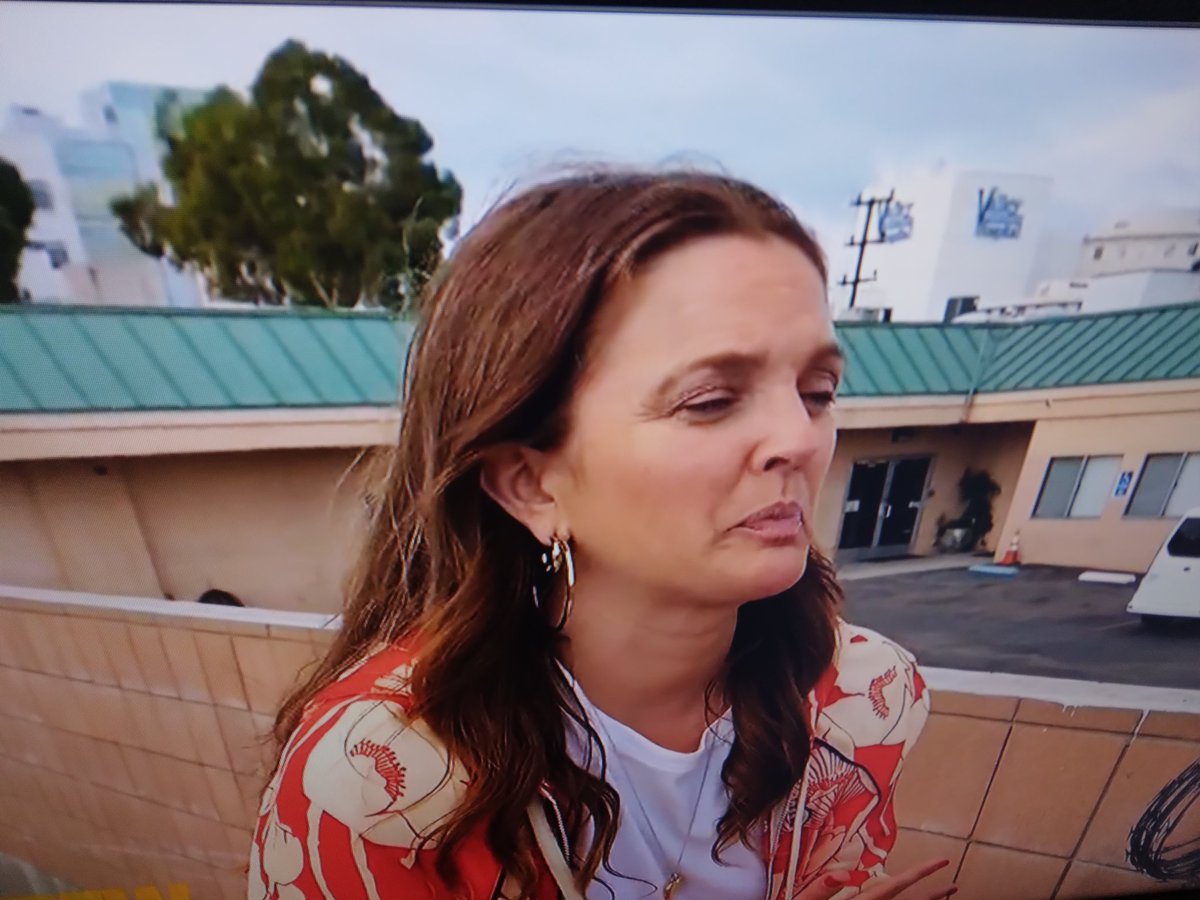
x: 501, y: 344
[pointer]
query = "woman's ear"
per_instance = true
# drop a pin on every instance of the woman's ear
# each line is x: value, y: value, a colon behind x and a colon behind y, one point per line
x: 512, y: 476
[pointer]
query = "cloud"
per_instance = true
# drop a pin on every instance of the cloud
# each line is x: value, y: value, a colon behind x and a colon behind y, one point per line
x: 810, y: 108
x: 1143, y: 156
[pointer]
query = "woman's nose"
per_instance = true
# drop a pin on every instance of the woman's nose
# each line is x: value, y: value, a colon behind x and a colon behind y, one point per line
x: 790, y: 436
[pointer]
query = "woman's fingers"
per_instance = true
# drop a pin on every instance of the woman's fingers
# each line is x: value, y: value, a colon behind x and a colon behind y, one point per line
x: 893, y: 886
x: 825, y: 887
x: 831, y: 884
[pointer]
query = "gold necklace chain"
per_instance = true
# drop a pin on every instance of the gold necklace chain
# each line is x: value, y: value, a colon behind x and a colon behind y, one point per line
x: 674, y: 880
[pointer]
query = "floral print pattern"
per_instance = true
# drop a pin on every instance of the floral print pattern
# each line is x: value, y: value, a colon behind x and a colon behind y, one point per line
x: 360, y: 782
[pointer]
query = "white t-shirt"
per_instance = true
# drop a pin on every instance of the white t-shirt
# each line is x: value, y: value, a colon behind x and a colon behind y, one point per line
x: 667, y: 782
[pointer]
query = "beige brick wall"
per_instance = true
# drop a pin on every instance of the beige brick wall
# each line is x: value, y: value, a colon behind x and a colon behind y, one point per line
x: 131, y: 749
x: 131, y: 755
x: 1032, y: 800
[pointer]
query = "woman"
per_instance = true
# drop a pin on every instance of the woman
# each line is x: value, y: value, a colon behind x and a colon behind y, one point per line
x: 592, y: 649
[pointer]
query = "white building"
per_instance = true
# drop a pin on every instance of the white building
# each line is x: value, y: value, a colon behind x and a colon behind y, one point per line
x: 949, y: 241
x: 78, y: 253
x: 1140, y: 261
x: 131, y: 113
x: 54, y: 259
x: 1151, y: 259
x: 1159, y: 241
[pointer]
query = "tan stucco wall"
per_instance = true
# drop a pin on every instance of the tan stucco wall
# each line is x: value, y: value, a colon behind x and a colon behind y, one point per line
x: 1110, y: 542
x: 997, y: 448
x: 277, y: 528
x: 83, y: 509
x: 27, y: 554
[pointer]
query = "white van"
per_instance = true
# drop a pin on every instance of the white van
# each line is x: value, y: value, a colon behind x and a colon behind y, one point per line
x: 1171, y: 587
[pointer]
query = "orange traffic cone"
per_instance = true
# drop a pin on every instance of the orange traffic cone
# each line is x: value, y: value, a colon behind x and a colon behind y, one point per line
x: 1012, y: 556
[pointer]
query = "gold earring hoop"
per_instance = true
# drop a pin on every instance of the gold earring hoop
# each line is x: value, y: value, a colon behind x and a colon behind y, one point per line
x: 554, y: 559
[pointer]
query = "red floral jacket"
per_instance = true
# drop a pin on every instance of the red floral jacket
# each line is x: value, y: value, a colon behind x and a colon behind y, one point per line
x: 360, y: 781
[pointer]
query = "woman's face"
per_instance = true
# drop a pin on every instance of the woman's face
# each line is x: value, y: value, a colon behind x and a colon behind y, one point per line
x: 701, y: 432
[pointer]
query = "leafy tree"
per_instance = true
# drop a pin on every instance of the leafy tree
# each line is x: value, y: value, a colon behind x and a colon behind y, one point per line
x: 16, y: 215
x: 311, y: 191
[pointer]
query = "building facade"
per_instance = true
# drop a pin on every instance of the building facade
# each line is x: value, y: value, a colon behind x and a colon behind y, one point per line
x: 76, y: 172
x: 135, y: 114
x: 53, y: 264
x: 1137, y: 262
x: 1161, y: 241
x: 158, y: 452
x: 947, y: 242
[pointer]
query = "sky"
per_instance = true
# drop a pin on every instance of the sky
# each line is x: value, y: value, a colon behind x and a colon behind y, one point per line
x: 813, y: 109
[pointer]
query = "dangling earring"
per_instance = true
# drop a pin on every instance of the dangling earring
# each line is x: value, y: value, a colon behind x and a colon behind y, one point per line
x: 553, y: 560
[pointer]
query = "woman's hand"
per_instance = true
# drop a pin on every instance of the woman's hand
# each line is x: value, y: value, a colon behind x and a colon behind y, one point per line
x: 830, y: 885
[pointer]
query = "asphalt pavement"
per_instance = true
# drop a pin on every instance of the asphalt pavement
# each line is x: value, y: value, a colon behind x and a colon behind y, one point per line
x: 1043, y: 621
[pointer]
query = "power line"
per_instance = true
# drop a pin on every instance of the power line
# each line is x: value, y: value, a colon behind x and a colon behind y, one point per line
x: 870, y: 203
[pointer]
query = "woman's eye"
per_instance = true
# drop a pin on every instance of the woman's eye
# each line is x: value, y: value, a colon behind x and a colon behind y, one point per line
x: 820, y: 400
x: 710, y: 406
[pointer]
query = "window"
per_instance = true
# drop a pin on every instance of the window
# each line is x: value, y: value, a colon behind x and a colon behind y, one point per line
x: 1097, y: 253
x: 42, y: 198
x: 1192, y: 249
x: 1058, y: 488
x: 1185, y: 541
x: 57, y: 253
x: 1096, y: 483
x: 1076, y: 487
x: 1168, y: 486
x: 1187, y: 487
x: 957, y: 306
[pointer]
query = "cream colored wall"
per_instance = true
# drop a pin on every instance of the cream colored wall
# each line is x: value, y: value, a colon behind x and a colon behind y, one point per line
x: 276, y: 528
x: 27, y: 554
x: 86, y: 514
x: 997, y: 448
x: 1000, y: 450
x: 279, y: 527
x: 1111, y: 541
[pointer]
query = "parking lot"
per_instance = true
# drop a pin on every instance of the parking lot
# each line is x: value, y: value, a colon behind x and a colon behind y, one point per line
x: 1043, y: 621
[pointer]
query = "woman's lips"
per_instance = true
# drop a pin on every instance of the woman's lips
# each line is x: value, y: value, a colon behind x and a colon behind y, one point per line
x: 780, y: 522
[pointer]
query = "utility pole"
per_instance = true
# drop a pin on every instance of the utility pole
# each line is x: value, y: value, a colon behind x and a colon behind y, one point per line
x: 870, y: 203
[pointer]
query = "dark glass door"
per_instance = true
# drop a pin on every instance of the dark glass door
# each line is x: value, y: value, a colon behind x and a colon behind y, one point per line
x: 861, y: 512
x: 903, y: 503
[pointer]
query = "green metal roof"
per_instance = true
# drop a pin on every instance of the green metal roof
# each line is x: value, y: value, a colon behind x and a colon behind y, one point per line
x: 1153, y: 344
x: 1156, y: 344
x: 910, y: 358
x: 73, y: 358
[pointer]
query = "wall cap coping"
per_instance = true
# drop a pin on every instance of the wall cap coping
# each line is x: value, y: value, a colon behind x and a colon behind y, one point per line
x: 1063, y: 691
